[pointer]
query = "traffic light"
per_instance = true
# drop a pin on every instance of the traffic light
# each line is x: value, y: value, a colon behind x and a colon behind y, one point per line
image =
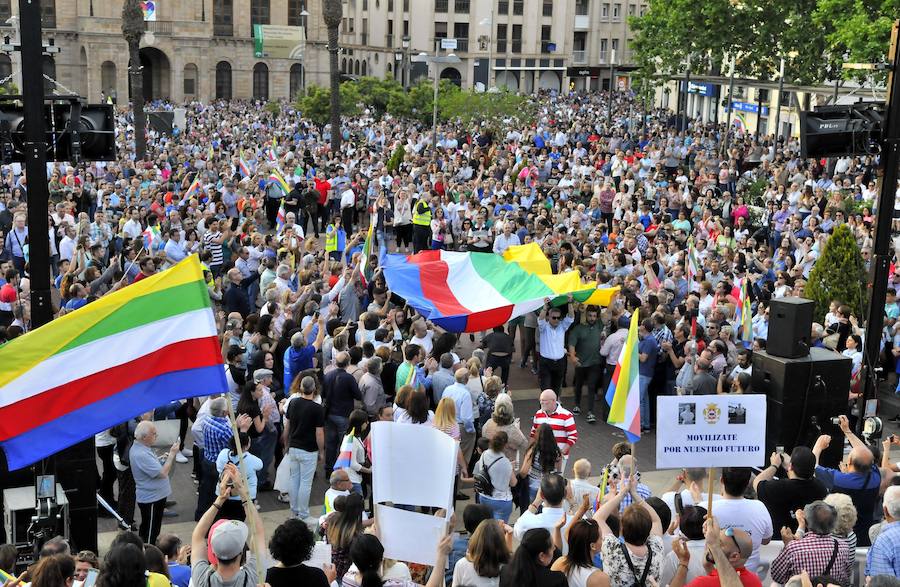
x: 72, y: 132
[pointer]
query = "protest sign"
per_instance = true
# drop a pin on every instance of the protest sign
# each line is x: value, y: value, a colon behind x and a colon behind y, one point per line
x: 710, y: 431
x: 415, y: 467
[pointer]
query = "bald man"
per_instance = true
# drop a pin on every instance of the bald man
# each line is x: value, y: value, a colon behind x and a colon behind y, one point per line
x: 861, y: 478
x: 732, y: 546
x: 560, y: 420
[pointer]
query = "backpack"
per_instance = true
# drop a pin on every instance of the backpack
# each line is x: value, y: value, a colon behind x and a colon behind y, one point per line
x: 483, y: 483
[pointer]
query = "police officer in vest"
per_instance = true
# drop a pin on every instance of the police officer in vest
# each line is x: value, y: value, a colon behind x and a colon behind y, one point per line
x: 422, y: 223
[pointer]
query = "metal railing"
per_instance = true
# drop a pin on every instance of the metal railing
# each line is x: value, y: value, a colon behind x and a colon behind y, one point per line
x: 223, y: 29
x: 159, y: 27
x: 579, y: 56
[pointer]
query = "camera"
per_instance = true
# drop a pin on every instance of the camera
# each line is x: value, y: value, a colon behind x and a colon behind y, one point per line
x: 836, y: 421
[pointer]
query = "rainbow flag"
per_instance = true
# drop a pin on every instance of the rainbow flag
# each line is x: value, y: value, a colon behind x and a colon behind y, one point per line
x: 693, y: 263
x: 624, y: 395
x: 280, y: 218
x: 152, y: 238
x: 746, y: 331
x: 276, y: 178
x: 125, y: 354
x: 345, y: 456
x: 244, y: 166
x: 194, y: 187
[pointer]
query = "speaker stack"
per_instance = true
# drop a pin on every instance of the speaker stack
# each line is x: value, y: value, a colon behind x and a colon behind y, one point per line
x: 806, y: 387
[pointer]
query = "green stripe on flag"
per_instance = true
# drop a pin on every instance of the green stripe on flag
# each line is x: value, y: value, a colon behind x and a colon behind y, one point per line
x: 149, y: 308
x: 510, y: 280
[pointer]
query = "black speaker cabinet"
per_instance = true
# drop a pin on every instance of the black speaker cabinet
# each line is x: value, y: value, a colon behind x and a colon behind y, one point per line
x: 161, y: 121
x: 76, y: 471
x: 804, y: 394
x: 790, y: 327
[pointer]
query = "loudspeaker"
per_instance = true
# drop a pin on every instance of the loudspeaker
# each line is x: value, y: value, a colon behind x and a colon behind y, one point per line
x: 831, y: 131
x: 804, y: 394
x: 790, y: 327
x: 161, y: 122
x: 76, y: 471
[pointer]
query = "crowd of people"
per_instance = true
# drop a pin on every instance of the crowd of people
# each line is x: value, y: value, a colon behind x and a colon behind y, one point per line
x: 312, y: 350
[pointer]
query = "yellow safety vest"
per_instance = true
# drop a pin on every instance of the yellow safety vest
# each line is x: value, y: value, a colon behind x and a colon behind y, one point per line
x: 331, y: 240
x: 422, y: 218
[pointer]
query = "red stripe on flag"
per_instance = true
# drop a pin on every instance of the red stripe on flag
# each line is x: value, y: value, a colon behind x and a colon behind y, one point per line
x: 433, y: 274
x: 488, y: 318
x: 39, y: 409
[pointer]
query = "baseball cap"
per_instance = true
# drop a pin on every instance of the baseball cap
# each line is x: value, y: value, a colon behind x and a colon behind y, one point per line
x: 228, y: 539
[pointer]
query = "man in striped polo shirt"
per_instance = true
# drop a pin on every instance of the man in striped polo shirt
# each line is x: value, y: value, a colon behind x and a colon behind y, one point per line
x: 560, y: 420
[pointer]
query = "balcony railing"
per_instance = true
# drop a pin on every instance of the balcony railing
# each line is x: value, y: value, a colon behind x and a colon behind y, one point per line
x: 501, y: 45
x: 364, y: 40
x: 579, y: 56
x: 516, y: 46
x: 222, y: 29
x: 389, y: 40
x: 462, y: 45
x: 160, y: 27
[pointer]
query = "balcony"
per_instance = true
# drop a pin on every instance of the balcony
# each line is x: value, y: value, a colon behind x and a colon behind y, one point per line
x: 516, y: 46
x: 579, y: 56
x: 161, y: 27
x: 582, y: 22
x: 462, y: 45
x: 501, y: 46
x: 603, y: 56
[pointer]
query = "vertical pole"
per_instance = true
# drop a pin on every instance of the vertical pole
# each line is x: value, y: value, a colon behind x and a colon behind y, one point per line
x: 729, y: 109
x: 778, y: 103
x: 687, y: 84
x: 881, y: 258
x: 36, y: 162
x: 709, y: 491
x: 612, y: 86
x: 434, y: 114
x: 490, y: 66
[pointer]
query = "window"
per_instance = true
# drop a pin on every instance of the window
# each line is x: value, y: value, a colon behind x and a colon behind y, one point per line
x: 390, y: 5
x: 548, y: 8
x: 441, y: 6
x: 223, y: 80
x: 517, y: 38
x: 440, y: 30
x: 295, y: 7
x: 48, y: 14
x: 405, y: 5
x: 604, y: 50
x: 762, y: 95
x: 296, y: 80
x: 461, y: 32
x: 461, y: 6
x: 545, y: 38
x: 631, y: 9
x: 614, y: 57
x: 518, y: 7
x: 405, y: 28
x: 259, y: 13
x: 582, y: 7
x: 261, y: 81
x: 503, y: 7
x: 223, y: 18
x: 365, y: 4
x: 501, y: 38
x: 5, y: 10
x: 604, y: 11
x: 190, y: 86
x: 617, y: 11
x: 365, y: 31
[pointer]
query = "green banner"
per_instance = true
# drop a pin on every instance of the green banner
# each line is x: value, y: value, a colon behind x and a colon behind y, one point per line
x: 278, y: 42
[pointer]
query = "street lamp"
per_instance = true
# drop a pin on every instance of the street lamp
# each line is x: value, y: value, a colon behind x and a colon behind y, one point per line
x: 612, y: 87
x: 437, y: 60
x: 489, y: 22
x: 404, y: 42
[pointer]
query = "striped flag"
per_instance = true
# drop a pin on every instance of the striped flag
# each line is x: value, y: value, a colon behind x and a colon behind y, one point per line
x: 746, y: 315
x: 345, y: 456
x: 280, y: 218
x: 276, y: 178
x: 193, y: 188
x: 693, y: 263
x: 152, y: 238
x: 623, y: 395
x: 244, y: 166
x: 122, y: 355
x: 365, y: 272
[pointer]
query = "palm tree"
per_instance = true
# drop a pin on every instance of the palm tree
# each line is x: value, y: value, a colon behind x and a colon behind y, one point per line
x: 331, y: 10
x: 132, y: 29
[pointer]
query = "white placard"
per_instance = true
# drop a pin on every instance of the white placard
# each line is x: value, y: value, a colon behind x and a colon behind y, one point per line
x: 412, y: 465
x: 710, y: 431
x: 409, y: 536
x: 448, y: 44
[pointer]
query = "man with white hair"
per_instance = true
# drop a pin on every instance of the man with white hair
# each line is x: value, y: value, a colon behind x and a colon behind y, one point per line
x: 151, y: 479
x: 884, y: 555
x: 560, y: 420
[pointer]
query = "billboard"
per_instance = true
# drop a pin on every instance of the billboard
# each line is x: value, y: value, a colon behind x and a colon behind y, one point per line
x: 278, y: 42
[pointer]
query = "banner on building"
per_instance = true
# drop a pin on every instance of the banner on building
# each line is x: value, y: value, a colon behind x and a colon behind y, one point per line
x: 148, y: 7
x: 278, y: 42
x: 710, y: 431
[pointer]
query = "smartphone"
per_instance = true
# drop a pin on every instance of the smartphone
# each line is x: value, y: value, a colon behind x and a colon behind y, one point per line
x: 91, y: 579
x: 679, y: 504
x: 779, y: 450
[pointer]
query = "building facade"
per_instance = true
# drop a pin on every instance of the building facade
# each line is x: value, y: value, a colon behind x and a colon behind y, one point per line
x: 204, y: 49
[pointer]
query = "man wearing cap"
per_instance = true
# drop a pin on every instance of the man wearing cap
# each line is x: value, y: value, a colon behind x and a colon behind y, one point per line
x: 228, y: 541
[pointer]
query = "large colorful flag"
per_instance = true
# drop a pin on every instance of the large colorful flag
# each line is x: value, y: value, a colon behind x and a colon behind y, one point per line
x: 624, y: 394
x: 244, y: 166
x: 152, y: 238
x: 280, y: 218
x: 125, y: 354
x: 345, y: 456
x: 193, y: 189
x: 471, y: 292
x: 276, y: 178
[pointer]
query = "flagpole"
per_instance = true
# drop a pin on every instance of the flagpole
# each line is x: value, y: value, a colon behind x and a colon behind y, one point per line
x: 709, y: 496
x: 251, y: 509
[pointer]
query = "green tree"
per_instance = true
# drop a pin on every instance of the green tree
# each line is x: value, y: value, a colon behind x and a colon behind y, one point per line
x: 396, y: 158
x: 486, y: 108
x: 316, y: 103
x: 857, y: 31
x: 133, y: 27
x: 838, y: 274
x: 378, y: 94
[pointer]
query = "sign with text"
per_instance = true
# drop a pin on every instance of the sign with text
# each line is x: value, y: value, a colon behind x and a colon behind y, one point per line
x: 710, y: 431
x: 448, y: 44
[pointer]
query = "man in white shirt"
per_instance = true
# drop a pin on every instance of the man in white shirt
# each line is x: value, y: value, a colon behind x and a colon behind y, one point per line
x: 67, y: 244
x: 750, y: 515
x: 174, y: 249
x: 553, y: 491
x: 506, y: 239
x: 133, y: 228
